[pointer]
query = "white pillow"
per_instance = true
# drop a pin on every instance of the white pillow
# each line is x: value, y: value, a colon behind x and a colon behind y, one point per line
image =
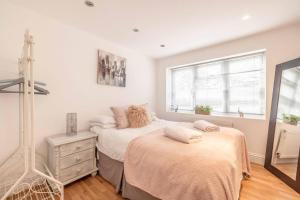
x: 104, y: 119
x: 154, y: 117
x: 104, y: 126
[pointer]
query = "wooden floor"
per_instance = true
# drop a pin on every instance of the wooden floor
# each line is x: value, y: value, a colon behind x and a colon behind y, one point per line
x: 289, y: 169
x: 262, y: 185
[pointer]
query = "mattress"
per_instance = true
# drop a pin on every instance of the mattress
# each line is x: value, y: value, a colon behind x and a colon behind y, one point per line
x: 190, y: 171
x: 113, y: 142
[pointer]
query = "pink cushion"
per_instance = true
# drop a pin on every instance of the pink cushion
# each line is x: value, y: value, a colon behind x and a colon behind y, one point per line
x: 120, y: 114
x: 138, y: 116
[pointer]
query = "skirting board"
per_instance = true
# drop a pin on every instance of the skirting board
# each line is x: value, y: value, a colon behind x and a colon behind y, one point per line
x: 257, y: 158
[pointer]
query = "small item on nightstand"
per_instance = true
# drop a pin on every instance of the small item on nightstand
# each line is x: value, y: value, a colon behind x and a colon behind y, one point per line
x: 71, y: 124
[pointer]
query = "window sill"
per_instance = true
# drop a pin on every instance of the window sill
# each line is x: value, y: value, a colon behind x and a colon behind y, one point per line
x: 222, y: 115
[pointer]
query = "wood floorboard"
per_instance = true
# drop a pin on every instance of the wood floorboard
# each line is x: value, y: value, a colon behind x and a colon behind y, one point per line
x: 261, y: 186
x: 289, y: 169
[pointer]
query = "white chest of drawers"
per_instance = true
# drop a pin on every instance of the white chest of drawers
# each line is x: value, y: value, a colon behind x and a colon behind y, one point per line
x: 72, y: 157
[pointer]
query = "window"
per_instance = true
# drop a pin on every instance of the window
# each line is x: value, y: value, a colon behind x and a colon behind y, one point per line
x: 227, y: 85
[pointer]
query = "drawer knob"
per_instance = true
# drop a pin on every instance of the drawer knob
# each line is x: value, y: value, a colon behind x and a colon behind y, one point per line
x: 78, y: 159
x: 78, y: 147
x: 78, y: 171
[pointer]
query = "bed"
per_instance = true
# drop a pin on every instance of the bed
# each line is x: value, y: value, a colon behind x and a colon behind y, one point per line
x: 118, y: 145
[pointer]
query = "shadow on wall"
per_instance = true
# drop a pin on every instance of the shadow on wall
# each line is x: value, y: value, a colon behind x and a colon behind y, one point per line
x: 9, y: 124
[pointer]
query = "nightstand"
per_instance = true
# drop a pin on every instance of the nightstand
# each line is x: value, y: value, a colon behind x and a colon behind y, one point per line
x: 72, y: 157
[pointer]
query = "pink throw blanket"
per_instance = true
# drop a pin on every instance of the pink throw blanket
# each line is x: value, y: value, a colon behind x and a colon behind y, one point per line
x: 211, y: 169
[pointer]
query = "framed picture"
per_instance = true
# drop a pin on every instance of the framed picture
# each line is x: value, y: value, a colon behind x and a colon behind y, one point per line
x: 111, y: 69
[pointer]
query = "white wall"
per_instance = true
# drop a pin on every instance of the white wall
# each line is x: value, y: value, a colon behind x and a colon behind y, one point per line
x: 66, y: 59
x: 281, y: 45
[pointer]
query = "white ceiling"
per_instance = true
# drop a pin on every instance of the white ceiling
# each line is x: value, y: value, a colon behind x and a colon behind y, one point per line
x: 181, y: 25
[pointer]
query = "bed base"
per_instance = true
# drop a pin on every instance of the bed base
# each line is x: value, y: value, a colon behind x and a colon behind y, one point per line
x: 113, y: 171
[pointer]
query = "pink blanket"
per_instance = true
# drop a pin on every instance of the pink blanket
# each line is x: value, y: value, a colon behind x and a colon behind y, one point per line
x: 211, y: 169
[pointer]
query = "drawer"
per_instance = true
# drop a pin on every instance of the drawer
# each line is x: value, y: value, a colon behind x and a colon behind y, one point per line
x: 74, y: 147
x: 76, y: 170
x: 76, y: 158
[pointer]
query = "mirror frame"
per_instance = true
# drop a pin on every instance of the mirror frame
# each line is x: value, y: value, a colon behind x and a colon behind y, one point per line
x: 295, y: 184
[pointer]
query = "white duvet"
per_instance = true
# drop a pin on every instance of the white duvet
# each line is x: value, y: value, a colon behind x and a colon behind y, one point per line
x: 113, y: 142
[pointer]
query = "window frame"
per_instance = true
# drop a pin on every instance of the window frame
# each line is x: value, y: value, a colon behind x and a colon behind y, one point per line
x: 224, y: 61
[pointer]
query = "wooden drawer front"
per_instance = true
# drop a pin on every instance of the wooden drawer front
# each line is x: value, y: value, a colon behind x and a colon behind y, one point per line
x: 74, y: 147
x: 76, y: 158
x: 76, y: 170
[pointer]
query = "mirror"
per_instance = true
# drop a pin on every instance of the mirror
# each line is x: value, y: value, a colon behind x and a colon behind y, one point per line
x: 287, y: 132
x: 283, y: 148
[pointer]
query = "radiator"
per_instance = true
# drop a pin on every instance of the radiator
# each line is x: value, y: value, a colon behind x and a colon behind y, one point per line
x: 288, y: 144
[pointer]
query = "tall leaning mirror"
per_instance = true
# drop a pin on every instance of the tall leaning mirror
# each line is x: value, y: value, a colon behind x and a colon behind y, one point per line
x: 283, y: 147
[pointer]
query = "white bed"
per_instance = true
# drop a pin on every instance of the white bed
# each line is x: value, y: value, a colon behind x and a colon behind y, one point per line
x: 113, y: 142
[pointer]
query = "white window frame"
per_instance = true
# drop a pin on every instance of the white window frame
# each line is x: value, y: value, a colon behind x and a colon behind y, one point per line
x: 169, y: 85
